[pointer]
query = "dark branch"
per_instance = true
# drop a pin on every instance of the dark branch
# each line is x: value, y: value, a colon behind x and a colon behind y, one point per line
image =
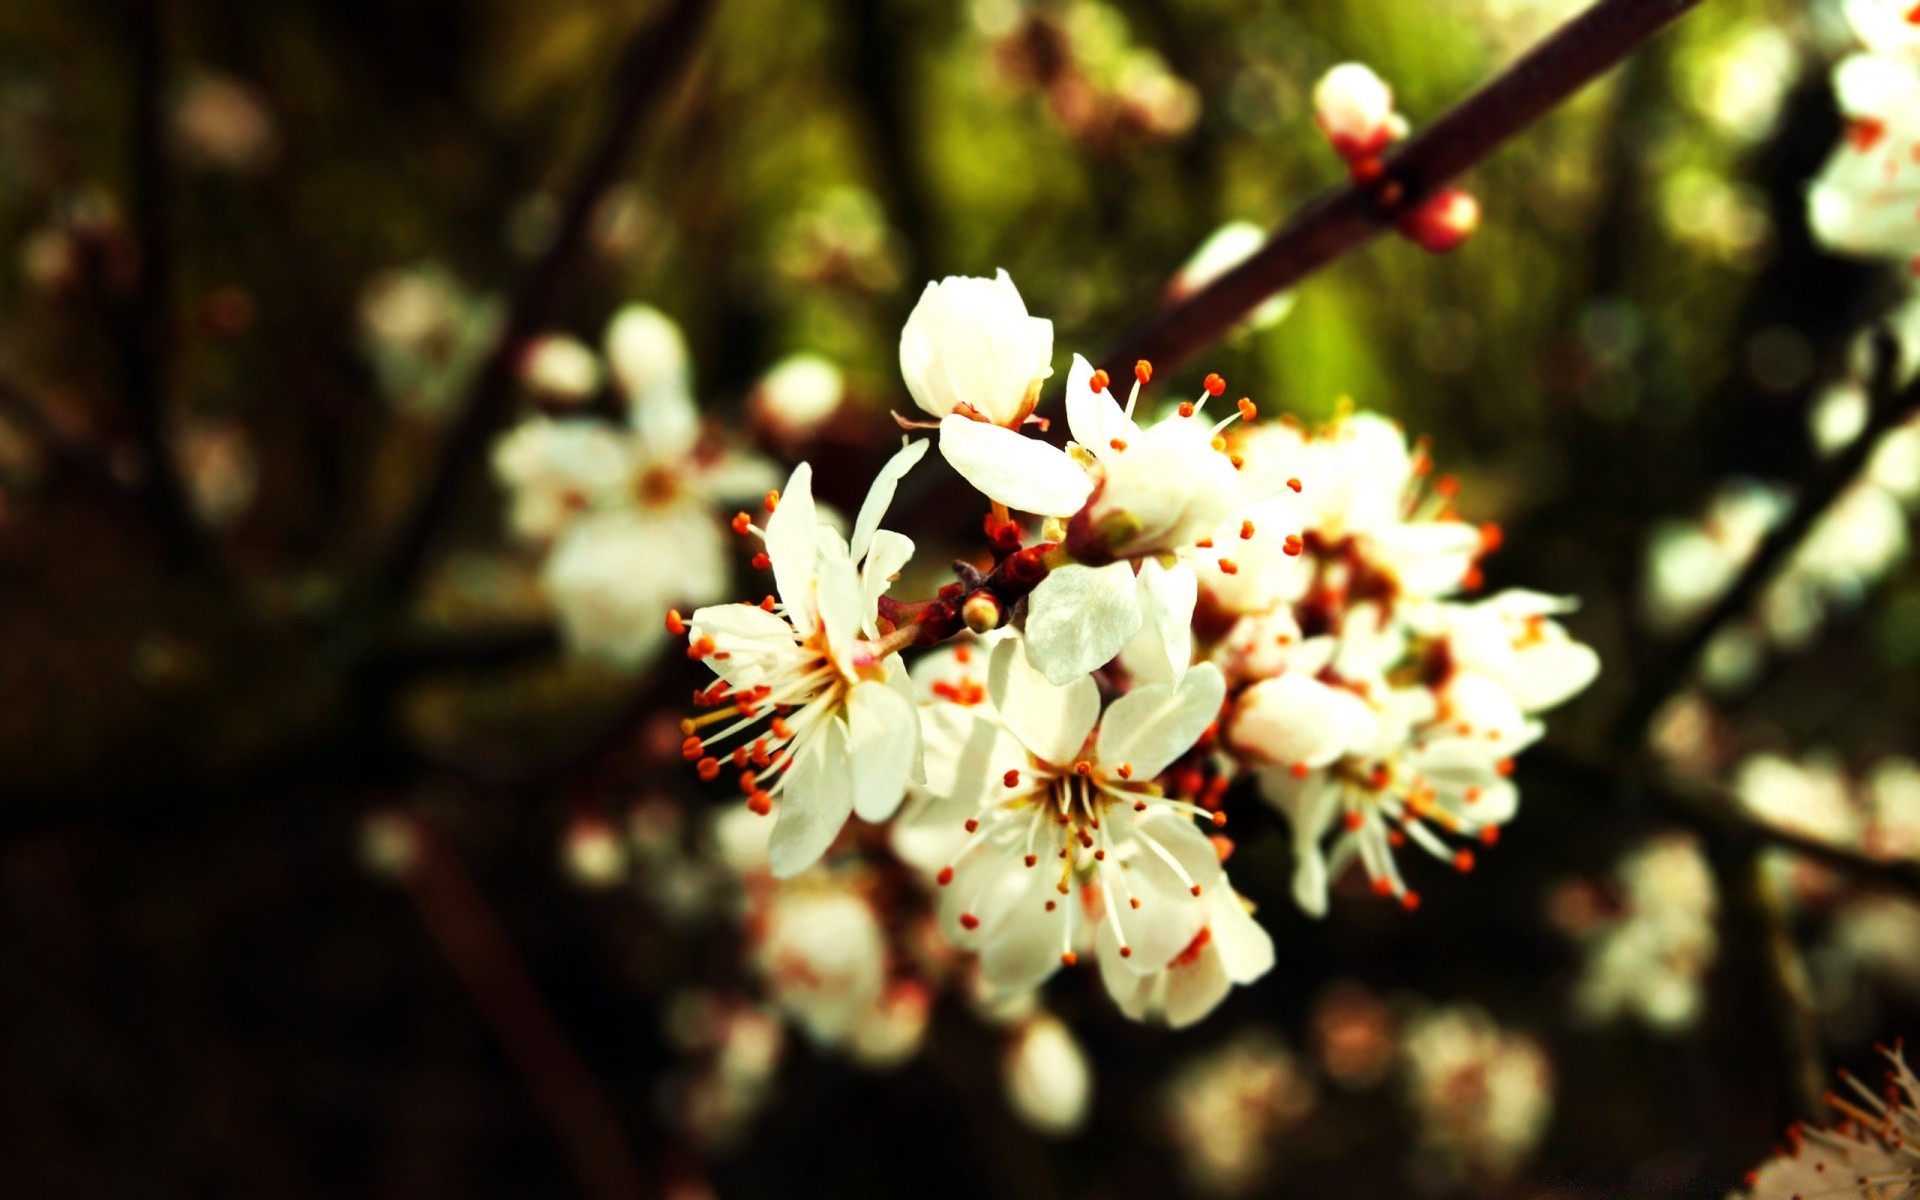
x: 653, y: 60
x: 1343, y: 219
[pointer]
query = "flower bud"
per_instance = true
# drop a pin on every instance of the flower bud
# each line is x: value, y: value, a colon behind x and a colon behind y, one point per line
x: 647, y: 353
x: 1354, y: 108
x: 983, y: 612
x: 794, y: 399
x: 970, y: 347
x: 1047, y: 1076
x: 1442, y: 221
x: 560, y: 368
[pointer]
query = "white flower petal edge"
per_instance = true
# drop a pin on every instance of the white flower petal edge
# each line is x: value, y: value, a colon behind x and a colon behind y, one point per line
x: 1014, y: 469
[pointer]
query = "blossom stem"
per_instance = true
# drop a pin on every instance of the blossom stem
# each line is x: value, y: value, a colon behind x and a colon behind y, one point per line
x: 654, y: 58
x: 1343, y: 219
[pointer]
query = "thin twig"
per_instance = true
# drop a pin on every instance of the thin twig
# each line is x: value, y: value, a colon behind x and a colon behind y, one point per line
x: 1343, y: 219
x: 458, y: 917
x: 1674, y: 666
x: 653, y: 60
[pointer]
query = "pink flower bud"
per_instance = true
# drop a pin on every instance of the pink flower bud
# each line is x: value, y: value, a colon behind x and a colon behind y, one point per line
x: 1442, y: 221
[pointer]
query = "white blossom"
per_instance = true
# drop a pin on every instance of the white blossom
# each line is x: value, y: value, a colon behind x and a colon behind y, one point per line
x: 969, y: 350
x: 1354, y: 108
x: 842, y: 734
x: 1866, y: 201
x: 1483, y: 1093
x: 1648, y: 962
x: 1058, y: 832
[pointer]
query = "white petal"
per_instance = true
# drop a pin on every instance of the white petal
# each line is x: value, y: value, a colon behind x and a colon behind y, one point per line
x: 1016, y: 470
x: 1196, y: 989
x: 1309, y: 806
x: 884, y: 729
x: 815, y: 802
x: 1552, y: 673
x: 791, y: 544
x: 1167, y: 597
x: 1289, y: 719
x: 888, y: 553
x: 967, y: 753
x: 1151, y: 726
x: 1245, y: 949
x: 1170, y: 915
x: 1079, y: 618
x: 1095, y: 417
x: 880, y: 495
x: 901, y: 681
x: 1025, y: 943
x: 843, y: 609
x: 1050, y: 720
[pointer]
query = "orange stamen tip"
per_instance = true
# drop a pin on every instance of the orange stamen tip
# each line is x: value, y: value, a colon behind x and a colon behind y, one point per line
x: 761, y: 562
x: 945, y: 876
x: 709, y: 769
x: 1083, y: 768
x: 1032, y: 859
x: 1117, y: 444
x: 1214, y: 385
x: 1069, y: 958
x: 1410, y: 901
x: 1219, y: 820
x: 1294, y: 484
x: 693, y: 749
x: 772, y: 501
x: 742, y: 523
x: 1246, y: 530
x: 1299, y: 770
x: 1011, y: 779
x: 760, y: 804
x: 969, y: 922
x: 676, y: 624
x: 1099, y: 381
x: 1247, y: 410
x: 1293, y: 545
x: 1126, y: 952
x: 767, y: 603
x: 1195, y: 889
x: 1186, y: 408
x: 1143, y: 371
x: 1125, y: 771
x: 1382, y: 886
x: 1463, y: 861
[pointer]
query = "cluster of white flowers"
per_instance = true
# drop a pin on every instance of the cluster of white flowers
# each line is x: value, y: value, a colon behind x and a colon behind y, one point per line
x: 1206, y: 599
x: 610, y: 501
x: 1866, y: 201
x: 1872, y: 1152
x: 1100, y: 86
x: 1648, y: 946
x: 1227, y: 1109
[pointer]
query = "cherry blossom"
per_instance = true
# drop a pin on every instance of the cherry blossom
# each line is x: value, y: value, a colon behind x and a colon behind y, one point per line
x: 841, y: 733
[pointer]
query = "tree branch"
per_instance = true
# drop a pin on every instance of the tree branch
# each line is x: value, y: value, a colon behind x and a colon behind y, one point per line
x: 653, y: 60
x: 1343, y: 219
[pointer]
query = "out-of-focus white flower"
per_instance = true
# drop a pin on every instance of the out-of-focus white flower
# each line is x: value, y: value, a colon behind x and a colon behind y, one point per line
x: 1809, y: 798
x: 616, y: 503
x: 1873, y: 1153
x: 892, y: 1032
x: 1690, y: 564
x: 1866, y: 201
x: 1878, y: 936
x: 1512, y: 640
x: 1648, y: 962
x: 1893, y: 809
x: 424, y: 334
x: 221, y: 123
x: 1049, y: 1081
x: 1483, y: 1093
x: 794, y: 399
x: 1229, y: 1109
x: 970, y: 350
x: 560, y: 368
x: 222, y: 472
x: 1354, y: 108
x: 823, y: 956
x: 592, y: 852
x: 1226, y: 248
x: 741, y: 1047
x: 843, y: 733
x: 1058, y: 838
x: 1886, y: 27
x: 647, y: 354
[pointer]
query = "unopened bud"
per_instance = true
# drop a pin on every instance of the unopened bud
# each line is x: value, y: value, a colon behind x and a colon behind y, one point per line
x: 983, y: 612
x: 1442, y: 221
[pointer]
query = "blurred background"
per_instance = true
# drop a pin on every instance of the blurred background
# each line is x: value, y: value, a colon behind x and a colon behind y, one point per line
x: 318, y: 882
